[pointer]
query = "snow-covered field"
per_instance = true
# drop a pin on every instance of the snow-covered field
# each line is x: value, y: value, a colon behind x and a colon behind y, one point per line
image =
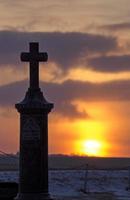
x: 71, y: 182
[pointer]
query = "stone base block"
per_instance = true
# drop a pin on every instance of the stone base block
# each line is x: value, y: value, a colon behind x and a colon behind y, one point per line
x: 32, y: 196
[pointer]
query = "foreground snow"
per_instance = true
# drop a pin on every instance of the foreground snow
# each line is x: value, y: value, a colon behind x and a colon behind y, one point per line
x: 71, y: 182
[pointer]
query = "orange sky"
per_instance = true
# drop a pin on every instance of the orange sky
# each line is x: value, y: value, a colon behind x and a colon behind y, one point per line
x: 87, y: 75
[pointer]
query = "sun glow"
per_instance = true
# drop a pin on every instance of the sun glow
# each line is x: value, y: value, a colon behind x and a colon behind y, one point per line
x: 92, y: 147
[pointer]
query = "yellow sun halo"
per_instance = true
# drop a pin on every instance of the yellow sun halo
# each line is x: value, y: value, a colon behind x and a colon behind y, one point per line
x: 90, y: 140
x: 92, y: 147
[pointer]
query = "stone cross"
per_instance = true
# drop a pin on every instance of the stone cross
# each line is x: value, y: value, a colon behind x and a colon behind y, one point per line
x: 34, y: 57
x: 34, y: 110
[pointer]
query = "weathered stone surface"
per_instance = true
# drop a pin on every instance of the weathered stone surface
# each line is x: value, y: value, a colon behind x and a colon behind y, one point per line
x: 34, y: 109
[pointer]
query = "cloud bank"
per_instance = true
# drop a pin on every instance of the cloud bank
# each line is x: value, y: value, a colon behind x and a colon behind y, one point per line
x: 110, y: 63
x: 63, y: 95
x: 67, y: 50
x: 116, y: 26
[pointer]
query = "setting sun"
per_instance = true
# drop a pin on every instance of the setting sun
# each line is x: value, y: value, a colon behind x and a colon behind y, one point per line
x: 92, y: 147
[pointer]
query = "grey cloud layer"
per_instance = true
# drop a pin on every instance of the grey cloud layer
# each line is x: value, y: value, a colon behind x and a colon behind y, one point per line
x: 116, y: 27
x: 64, y: 94
x: 65, y: 49
x: 110, y: 63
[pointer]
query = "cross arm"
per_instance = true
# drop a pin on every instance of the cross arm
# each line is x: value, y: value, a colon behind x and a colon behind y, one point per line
x: 41, y: 57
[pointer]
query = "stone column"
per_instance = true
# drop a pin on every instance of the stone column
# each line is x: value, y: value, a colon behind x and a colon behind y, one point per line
x: 33, y: 183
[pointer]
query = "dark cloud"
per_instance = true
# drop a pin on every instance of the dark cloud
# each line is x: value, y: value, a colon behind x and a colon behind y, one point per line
x: 13, y: 93
x: 86, y: 91
x: 65, y: 49
x: 64, y: 94
x: 116, y: 27
x: 110, y: 63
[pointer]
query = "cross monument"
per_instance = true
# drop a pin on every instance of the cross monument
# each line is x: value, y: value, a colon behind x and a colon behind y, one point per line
x: 34, y: 109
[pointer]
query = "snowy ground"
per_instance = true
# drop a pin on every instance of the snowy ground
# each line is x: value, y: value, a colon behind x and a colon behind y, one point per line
x: 70, y: 183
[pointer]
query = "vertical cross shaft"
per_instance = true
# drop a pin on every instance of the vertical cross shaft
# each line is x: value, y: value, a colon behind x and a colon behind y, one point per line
x: 34, y: 57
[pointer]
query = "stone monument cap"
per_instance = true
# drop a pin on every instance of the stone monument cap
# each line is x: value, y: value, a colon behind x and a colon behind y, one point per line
x: 34, y: 98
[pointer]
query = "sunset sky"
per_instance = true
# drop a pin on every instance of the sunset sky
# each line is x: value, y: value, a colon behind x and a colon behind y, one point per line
x: 87, y: 76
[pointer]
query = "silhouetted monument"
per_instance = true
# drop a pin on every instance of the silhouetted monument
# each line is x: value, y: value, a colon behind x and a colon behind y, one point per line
x: 34, y: 109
